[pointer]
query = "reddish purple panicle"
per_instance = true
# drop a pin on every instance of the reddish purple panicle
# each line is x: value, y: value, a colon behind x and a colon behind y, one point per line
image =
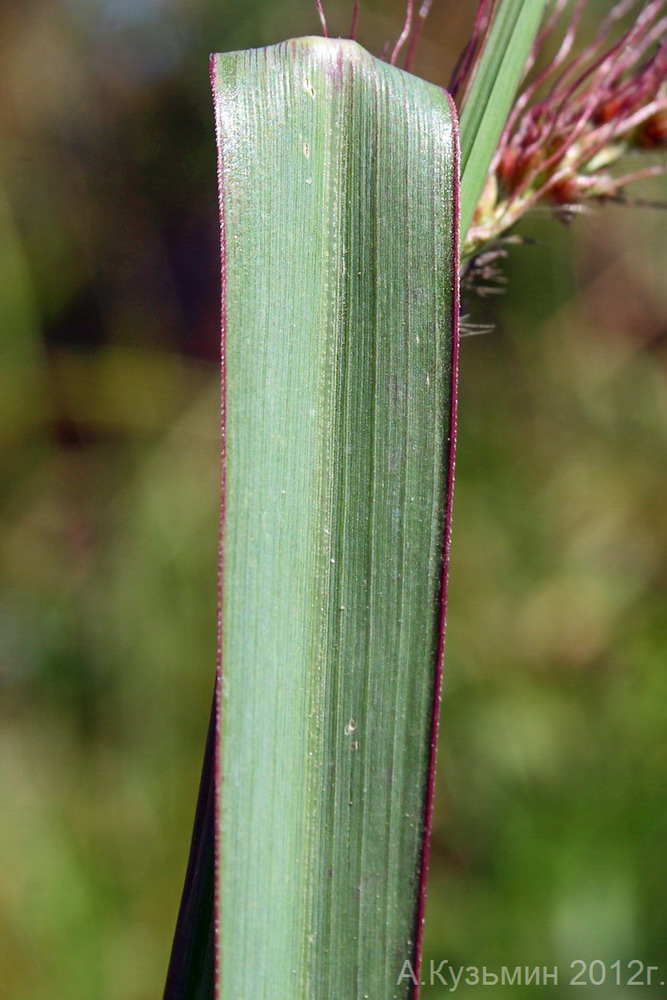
x: 578, y: 117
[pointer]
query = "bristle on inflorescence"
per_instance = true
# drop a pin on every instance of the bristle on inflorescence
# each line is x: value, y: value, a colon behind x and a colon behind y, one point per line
x: 578, y: 117
x: 408, y: 38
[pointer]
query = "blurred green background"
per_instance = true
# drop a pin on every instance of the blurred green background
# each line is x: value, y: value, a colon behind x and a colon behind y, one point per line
x: 551, y: 823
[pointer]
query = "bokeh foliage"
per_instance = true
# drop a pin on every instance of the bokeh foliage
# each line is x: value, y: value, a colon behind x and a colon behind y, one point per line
x: 551, y: 826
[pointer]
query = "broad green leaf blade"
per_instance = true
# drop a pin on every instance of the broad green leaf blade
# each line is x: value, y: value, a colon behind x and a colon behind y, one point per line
x: 492, y: 93
x: 338, y: 190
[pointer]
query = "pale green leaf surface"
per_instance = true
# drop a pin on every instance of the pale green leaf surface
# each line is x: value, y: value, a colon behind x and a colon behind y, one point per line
x: 492, y: 93
x: 338, y: 177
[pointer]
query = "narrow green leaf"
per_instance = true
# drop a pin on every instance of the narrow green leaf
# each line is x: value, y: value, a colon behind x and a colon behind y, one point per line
x: 338, y: 191
x: 191, y: 966
x: 492, y: 93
